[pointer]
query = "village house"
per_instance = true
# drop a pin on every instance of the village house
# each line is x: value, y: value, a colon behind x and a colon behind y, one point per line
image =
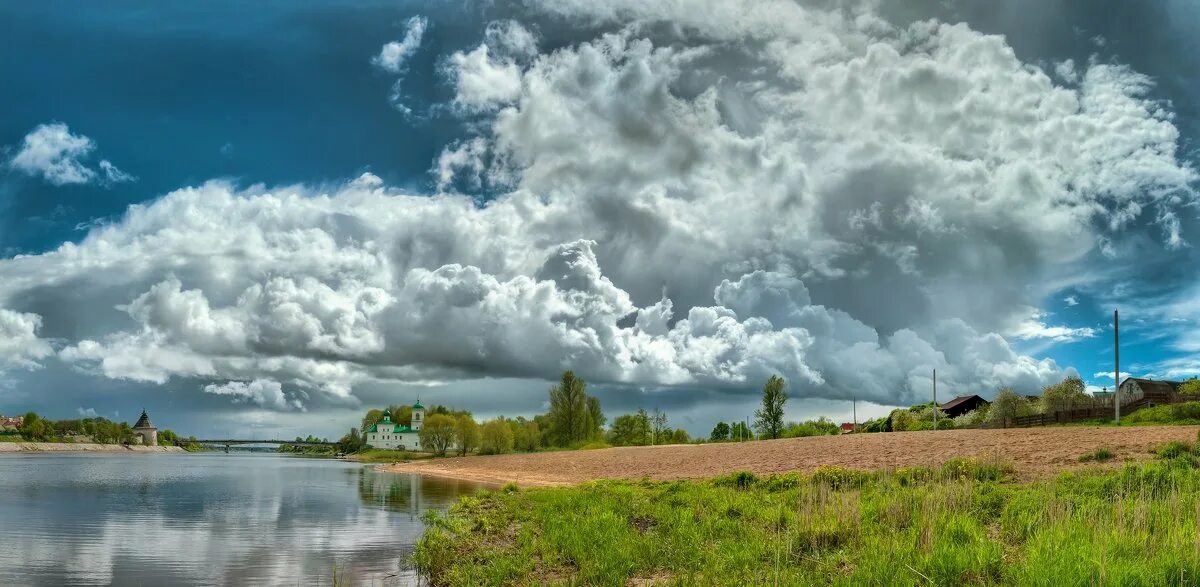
x: 847, y: 427
x: 392, y: 435
x: 11, y: 422
x: 962, y: 404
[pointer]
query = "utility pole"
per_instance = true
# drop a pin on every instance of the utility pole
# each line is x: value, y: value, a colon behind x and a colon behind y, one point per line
x: 1116, y: 368
x: 935, y: 404
x: 854, y: 411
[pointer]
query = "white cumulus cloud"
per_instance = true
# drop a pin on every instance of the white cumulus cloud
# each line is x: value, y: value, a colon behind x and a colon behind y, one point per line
x: 53, y: 153
x: 394, y: 55
x: 747, y: 190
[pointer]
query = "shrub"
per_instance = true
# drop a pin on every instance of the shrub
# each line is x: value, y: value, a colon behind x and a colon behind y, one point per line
x: 496, y: 437
x: 840, y: 477
x: 1173, y: 450
x: 1184, y: 413
x: 739, y: 480
x: 1099, y: 455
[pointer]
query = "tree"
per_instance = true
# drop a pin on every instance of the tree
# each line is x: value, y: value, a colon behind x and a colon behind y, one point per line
x: 167, y: 438
x: 740, y: 431
x: 820, y: 427
x: 720, y: 432
x: 1190, y: 388
x: 372, y: 418
x: 1065, y: 395
x: 1007, y: 405
x: 437, y: 434
x: 570, y: 411
x: 769, y: 419
x: 351, y: 442
x: 680, y: 436
x: 630, y: 430
x: 466, y: 434
x: 496, y: 437
x: 658, y: 426
x: 527, y: 435
x: 35, y: 428
x: 596, y: 419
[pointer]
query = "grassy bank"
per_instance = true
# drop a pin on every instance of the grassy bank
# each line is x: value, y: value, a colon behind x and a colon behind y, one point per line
x: 965, y: 523
x: 1178, y: 414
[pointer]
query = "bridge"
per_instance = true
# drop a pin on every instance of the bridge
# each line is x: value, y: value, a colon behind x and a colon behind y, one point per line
x: 228, y: 442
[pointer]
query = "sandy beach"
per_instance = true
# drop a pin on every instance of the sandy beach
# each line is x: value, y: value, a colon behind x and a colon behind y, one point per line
x: 18, y: 447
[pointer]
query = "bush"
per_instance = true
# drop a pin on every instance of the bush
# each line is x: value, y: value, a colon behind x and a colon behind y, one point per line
x: 1099, y: 455
x: 1173, y: 450
x: 496, y: 437
x: 1184, y: 413
x: 840, y: 478
x: 820, y: 427
x: 972, y: 418
x: 739, y: 480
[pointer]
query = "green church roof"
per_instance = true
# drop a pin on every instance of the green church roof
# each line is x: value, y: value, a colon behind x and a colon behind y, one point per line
x: 396, y: 429
x: 418, y: 406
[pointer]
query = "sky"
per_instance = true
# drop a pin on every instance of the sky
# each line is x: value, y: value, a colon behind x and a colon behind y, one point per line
x: 262, y: 219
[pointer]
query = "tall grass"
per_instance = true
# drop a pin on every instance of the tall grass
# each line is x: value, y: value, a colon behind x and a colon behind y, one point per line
x: 964, y: 523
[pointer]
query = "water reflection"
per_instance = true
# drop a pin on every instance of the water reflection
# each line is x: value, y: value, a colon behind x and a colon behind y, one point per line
x: 208, y: 520
x: 411, y: 494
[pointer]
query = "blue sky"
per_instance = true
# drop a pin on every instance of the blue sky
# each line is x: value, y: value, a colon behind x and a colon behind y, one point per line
x: 590, y: 176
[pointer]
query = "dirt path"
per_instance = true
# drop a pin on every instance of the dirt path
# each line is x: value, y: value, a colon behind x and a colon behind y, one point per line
x: 1036, y: 452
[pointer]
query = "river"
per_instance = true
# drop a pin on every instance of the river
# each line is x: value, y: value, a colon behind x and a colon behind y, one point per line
x: 209, y: 519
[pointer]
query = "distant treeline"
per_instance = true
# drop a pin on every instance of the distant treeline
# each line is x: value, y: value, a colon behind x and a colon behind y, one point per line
x: 575, y: 420
x: 99, y: 430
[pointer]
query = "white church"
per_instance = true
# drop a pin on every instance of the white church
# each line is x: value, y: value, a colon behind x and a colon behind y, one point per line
x: 389, y: 434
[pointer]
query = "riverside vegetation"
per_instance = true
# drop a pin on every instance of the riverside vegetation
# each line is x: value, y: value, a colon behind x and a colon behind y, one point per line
x: 98, y: 430
x: 967, y: 522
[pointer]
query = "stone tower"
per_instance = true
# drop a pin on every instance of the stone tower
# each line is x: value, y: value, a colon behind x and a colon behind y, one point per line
x: 146, y: 431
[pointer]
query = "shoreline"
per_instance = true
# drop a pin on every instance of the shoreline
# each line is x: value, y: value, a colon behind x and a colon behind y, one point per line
x: 41, y: 447
x: 1034, y: 452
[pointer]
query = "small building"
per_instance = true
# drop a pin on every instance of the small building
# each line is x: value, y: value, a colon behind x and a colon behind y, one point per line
x: 392, y: 435
x: 847, y: 427
x: 11, y: 422
x: 962, y: 404
x: 1154, y: 391
x: 145, y: 432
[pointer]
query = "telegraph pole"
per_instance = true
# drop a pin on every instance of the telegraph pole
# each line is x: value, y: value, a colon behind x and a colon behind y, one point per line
x: 1116, y: 368
x: 935, y: 404
x: 854, y: 411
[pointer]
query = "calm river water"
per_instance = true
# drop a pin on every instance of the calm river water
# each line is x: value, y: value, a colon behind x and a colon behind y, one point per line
x: 209, y: 519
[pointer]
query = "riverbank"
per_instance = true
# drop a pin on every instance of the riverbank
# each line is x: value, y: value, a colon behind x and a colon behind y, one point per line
x: 1035, y: 453
x: 11, y: 447
x: 967, y: 522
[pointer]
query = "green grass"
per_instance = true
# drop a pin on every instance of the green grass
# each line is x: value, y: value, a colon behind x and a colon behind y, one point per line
x: 1099, y: 455
x: 1184, y: 413
x: 966, y: 523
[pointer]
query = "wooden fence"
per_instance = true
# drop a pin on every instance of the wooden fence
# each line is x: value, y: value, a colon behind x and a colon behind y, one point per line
x: 1092, y: 412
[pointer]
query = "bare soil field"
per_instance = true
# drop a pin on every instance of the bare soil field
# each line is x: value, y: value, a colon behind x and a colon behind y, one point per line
x: 1035, y: 452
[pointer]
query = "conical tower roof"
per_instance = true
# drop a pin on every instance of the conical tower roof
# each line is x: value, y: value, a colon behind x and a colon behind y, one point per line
x: 144, y: 421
